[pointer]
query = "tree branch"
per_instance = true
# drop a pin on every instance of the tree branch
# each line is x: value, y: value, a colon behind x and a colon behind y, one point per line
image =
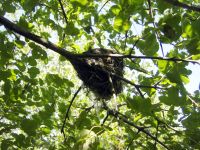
x: 70, y: 56
x: 179, y: 4
x: 117, y: 115
x: 136, y: 57
x: 13, y: 27
x: 63, y: 11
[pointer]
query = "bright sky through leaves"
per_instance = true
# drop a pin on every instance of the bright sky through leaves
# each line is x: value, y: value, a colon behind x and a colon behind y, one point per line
x: 159, y: 105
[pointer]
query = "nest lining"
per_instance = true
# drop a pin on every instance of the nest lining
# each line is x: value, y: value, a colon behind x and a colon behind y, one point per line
x: 95, y: 73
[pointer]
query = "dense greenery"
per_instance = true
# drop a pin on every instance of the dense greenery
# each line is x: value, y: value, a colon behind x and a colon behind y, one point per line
x: 37, y: 84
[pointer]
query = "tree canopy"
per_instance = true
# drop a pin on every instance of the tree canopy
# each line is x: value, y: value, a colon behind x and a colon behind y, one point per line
x: 44, y: 104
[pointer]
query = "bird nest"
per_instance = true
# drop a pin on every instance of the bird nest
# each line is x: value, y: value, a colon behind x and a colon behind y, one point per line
x: 96, y: 73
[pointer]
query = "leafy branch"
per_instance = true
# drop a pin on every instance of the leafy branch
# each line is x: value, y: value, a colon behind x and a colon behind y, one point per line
x: 68, y: 55
x: 179, y: 4
x: 76, y: 57
x: 123, y: 118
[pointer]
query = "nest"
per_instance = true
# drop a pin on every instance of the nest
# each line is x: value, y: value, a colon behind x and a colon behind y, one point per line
x: 95, y: 73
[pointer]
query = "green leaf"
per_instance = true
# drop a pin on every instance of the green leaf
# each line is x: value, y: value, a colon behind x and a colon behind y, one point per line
x: 25, y: 24
x: 8, y: 6
x: 71, y: 29
x: 121, y: 24
x: 7, y: 87
x: 33, y: 72
x: 20, y: 140
x: 170, y: 26
x: 196, y: 57
x: 193, y: 46
x: 115, y: 9
x: 196, y: 25
x: 173, y: 97
x: 6, y: 144
x: 163, y: 65
x: 19, y: 43
x: 21, y: 66
x: 184, y: 79
x: 97, y: 129
x: 83, y: 122
x: 118, y: 22
x: 32, y: 61
x: 55, y: 79
x: 29, y: 5
x: 192, y: 121
x: 38, y: 52
x: 29, y: 126
x: 178, y: 74
x: 162, y: 5
x: 140, y: 105
x: 149, y: 45
x: 5, y: 74
x: 45, y: 130
x: 81, y: 2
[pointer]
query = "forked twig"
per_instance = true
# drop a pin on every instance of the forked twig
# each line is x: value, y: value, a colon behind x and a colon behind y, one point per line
x: 117, y: 115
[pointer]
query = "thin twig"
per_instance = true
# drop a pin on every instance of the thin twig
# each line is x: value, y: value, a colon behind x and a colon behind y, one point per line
x: 116, y: 114
x: 135, y: 85
x: 126, y: 36
x: 183, y: 5
x: 105, y: 118
x: 165, y: 124
x: 103, y: 5
x: 130, y: 53
x: 63, y: 11
x: 193, y: 101
x: 68, y: 109
x: 136, y: 57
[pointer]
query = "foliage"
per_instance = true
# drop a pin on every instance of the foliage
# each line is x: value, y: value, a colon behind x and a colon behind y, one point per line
x: 37, y: 84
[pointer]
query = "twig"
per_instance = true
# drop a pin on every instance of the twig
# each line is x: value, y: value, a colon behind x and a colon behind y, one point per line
x: 179, y: 4
x: 193, y: 101
x: 103, y: 5
x: 154, y: 25
x: 165, y: 124
x: 134, y: 46
x: 126, y: 36
x: 63, y: 11
x: 68, y: 109
x: 127, y: 81
x: 135, y: 85
x: 105, y: 118
x: 136, y: 57
x: 68, y: 55
x: 116, y: 114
